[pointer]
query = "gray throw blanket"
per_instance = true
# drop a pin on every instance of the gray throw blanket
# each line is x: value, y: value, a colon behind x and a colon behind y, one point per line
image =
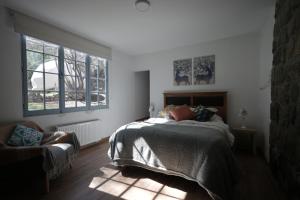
x: 61, y: 149
x: 196, y: 153
x: 58, y: 149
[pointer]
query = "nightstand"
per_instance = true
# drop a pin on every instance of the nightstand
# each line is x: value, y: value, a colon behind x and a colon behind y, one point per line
x: 244, y: 139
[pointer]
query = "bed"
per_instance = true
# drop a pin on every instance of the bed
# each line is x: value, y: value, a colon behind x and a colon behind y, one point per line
x: 197, y: 151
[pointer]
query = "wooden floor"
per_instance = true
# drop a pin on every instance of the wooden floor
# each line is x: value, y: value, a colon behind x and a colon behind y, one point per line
x: 92, y: 177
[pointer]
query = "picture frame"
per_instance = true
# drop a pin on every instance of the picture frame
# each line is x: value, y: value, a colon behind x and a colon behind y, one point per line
x: 204, y: 70
x: 182, y: 70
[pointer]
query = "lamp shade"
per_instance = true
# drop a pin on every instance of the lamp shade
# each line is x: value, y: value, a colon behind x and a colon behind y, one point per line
x: 243, y: 112
x: 151, y: 109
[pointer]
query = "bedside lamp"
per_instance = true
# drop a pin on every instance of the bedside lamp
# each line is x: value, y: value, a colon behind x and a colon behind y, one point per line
x: 242, y: 114
x: 151, y: 109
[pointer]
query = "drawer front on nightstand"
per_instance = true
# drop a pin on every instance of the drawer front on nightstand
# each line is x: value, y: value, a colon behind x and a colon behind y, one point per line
x: 243, y: 141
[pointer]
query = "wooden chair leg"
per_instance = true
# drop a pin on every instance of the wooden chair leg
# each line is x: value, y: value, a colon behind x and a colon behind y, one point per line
x: 46, y: 183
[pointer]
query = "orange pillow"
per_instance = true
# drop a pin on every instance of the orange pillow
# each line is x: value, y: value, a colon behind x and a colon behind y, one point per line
x: 182, y: 113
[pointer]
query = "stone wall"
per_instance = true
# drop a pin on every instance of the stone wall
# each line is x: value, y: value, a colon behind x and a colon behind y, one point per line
x: 285, y: 92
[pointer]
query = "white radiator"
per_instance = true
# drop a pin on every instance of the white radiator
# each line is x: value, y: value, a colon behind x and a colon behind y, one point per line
x: 87, y: 132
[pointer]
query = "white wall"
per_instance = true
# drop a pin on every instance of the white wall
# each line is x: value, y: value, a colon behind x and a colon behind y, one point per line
x: 121, y: 88
x: 265, y: 67
x: 236, y: 72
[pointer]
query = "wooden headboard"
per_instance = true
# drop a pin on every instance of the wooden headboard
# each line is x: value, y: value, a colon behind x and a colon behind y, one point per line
x: 208, y: 99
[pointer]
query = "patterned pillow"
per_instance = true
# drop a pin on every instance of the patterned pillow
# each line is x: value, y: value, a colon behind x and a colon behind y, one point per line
x: 24, y: 136
x: 204, y: 115
x: 197, y: 108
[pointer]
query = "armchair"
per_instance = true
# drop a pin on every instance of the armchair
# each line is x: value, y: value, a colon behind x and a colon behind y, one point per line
x: 46, y: 161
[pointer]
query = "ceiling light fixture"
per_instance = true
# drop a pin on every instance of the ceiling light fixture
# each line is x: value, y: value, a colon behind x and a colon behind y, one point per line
x: 142, y: 5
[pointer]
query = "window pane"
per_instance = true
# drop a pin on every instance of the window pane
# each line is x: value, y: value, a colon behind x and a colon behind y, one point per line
x: 101, y: 85
x: 51, y: 49
x: 70, y: 83
x: 51, y: 82
x: 102, y: 62
x: 35, y: 100
x: 81, y: 84
x: 70, y: 98
x: 81, y: 99
x: 80, y: 56
x: 94, y: 60
x: 94, y: 99
x: 52, y: 100
x: 29, y: 84
x: 51, y: 64
x: 36, y: 81
x: 102, y: 99
x: 94, y: 104
x: 101, y: 72
x: 34, y: 44
x: 98, y: 61
x: 69, y: 54
x: 69, y: 67
x: 80, y: 69
x: 93, y: 71
x: 94, y: 84
x: 34, y: 61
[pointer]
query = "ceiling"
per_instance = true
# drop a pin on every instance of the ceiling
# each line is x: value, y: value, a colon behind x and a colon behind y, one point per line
x: 168, y: 23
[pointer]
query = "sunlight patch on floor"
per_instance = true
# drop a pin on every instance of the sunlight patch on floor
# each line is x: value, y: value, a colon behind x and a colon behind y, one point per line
x: 164, y: 197
x: 108, y: 172
x: 179, y: 194
x: 96, y: 182
x: 123, y: 179
x: 111, y: 181
x: 135, y: 193
x: 113, y: 188
x: 149, y: 184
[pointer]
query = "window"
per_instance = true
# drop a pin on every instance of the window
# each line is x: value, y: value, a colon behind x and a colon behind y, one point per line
x: 58, y: 79
x: 98, y: 81
x: 75, y: 78
x: 42, y: 75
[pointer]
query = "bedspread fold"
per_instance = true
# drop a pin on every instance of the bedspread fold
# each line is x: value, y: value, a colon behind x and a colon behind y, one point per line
x: 199, y: 154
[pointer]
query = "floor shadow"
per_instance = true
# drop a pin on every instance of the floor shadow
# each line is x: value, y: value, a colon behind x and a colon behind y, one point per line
x: 192, y: 189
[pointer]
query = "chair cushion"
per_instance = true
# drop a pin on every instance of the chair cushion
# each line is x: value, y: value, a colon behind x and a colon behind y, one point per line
x: 24, y: 136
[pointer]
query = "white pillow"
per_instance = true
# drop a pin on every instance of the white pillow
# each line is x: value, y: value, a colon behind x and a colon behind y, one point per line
x: 216, y: 118
x: 212, y: 109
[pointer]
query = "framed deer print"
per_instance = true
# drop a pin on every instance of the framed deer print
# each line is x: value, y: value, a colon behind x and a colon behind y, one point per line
x: 204, y: 70
x: 182, y: 72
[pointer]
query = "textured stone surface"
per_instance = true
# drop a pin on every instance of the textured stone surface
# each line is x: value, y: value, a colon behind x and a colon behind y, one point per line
x: 285, y: 94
